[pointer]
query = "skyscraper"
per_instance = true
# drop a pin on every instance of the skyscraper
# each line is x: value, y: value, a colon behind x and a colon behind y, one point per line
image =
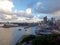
x: 45, y: 19
x: 53, y: 20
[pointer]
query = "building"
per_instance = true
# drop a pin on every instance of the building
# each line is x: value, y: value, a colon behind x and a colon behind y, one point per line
x: 58, y: 24
x: 45, y: 19
x: 53, y: 20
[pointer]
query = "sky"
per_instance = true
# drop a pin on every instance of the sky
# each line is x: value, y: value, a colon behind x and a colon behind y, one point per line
x: 14, y: 10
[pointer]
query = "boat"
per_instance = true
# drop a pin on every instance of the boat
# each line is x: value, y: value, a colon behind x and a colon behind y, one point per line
x: 19, y: 29
x: 25, y: 30
x: 26, y: 27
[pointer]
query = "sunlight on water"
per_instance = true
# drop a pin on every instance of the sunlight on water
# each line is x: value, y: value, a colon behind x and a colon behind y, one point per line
x: 9, y: 36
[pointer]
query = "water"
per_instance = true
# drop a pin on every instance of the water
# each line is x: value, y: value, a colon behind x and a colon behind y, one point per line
x: 9, y: 36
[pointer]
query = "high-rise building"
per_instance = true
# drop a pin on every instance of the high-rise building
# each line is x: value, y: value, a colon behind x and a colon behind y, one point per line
x: 53, y: 20
x: 45, y: 19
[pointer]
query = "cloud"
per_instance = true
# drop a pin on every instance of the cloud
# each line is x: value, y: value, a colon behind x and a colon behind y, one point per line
x: 6, y: 5
x: 25, y: 13
x: 22, y: 12
x: 8, y: 16
x: 6, y: 9
x: 57, y: 13
x: 28, y: 11
x: 38, y: 4
x: 5, y: 15
x: 48, y: 6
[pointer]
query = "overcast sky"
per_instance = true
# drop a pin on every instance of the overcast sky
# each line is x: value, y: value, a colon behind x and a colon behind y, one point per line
x: 15, y: 9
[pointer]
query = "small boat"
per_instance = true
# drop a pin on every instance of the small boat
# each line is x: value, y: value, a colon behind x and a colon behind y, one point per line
x: 19, y: 29
x: 26, y: 27
x: 25, y: 30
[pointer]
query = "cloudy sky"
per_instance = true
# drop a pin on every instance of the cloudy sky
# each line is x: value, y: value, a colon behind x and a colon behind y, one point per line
x: 14, y: 10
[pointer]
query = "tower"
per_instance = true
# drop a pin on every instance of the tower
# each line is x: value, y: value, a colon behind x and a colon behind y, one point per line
x: 45, y: 19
